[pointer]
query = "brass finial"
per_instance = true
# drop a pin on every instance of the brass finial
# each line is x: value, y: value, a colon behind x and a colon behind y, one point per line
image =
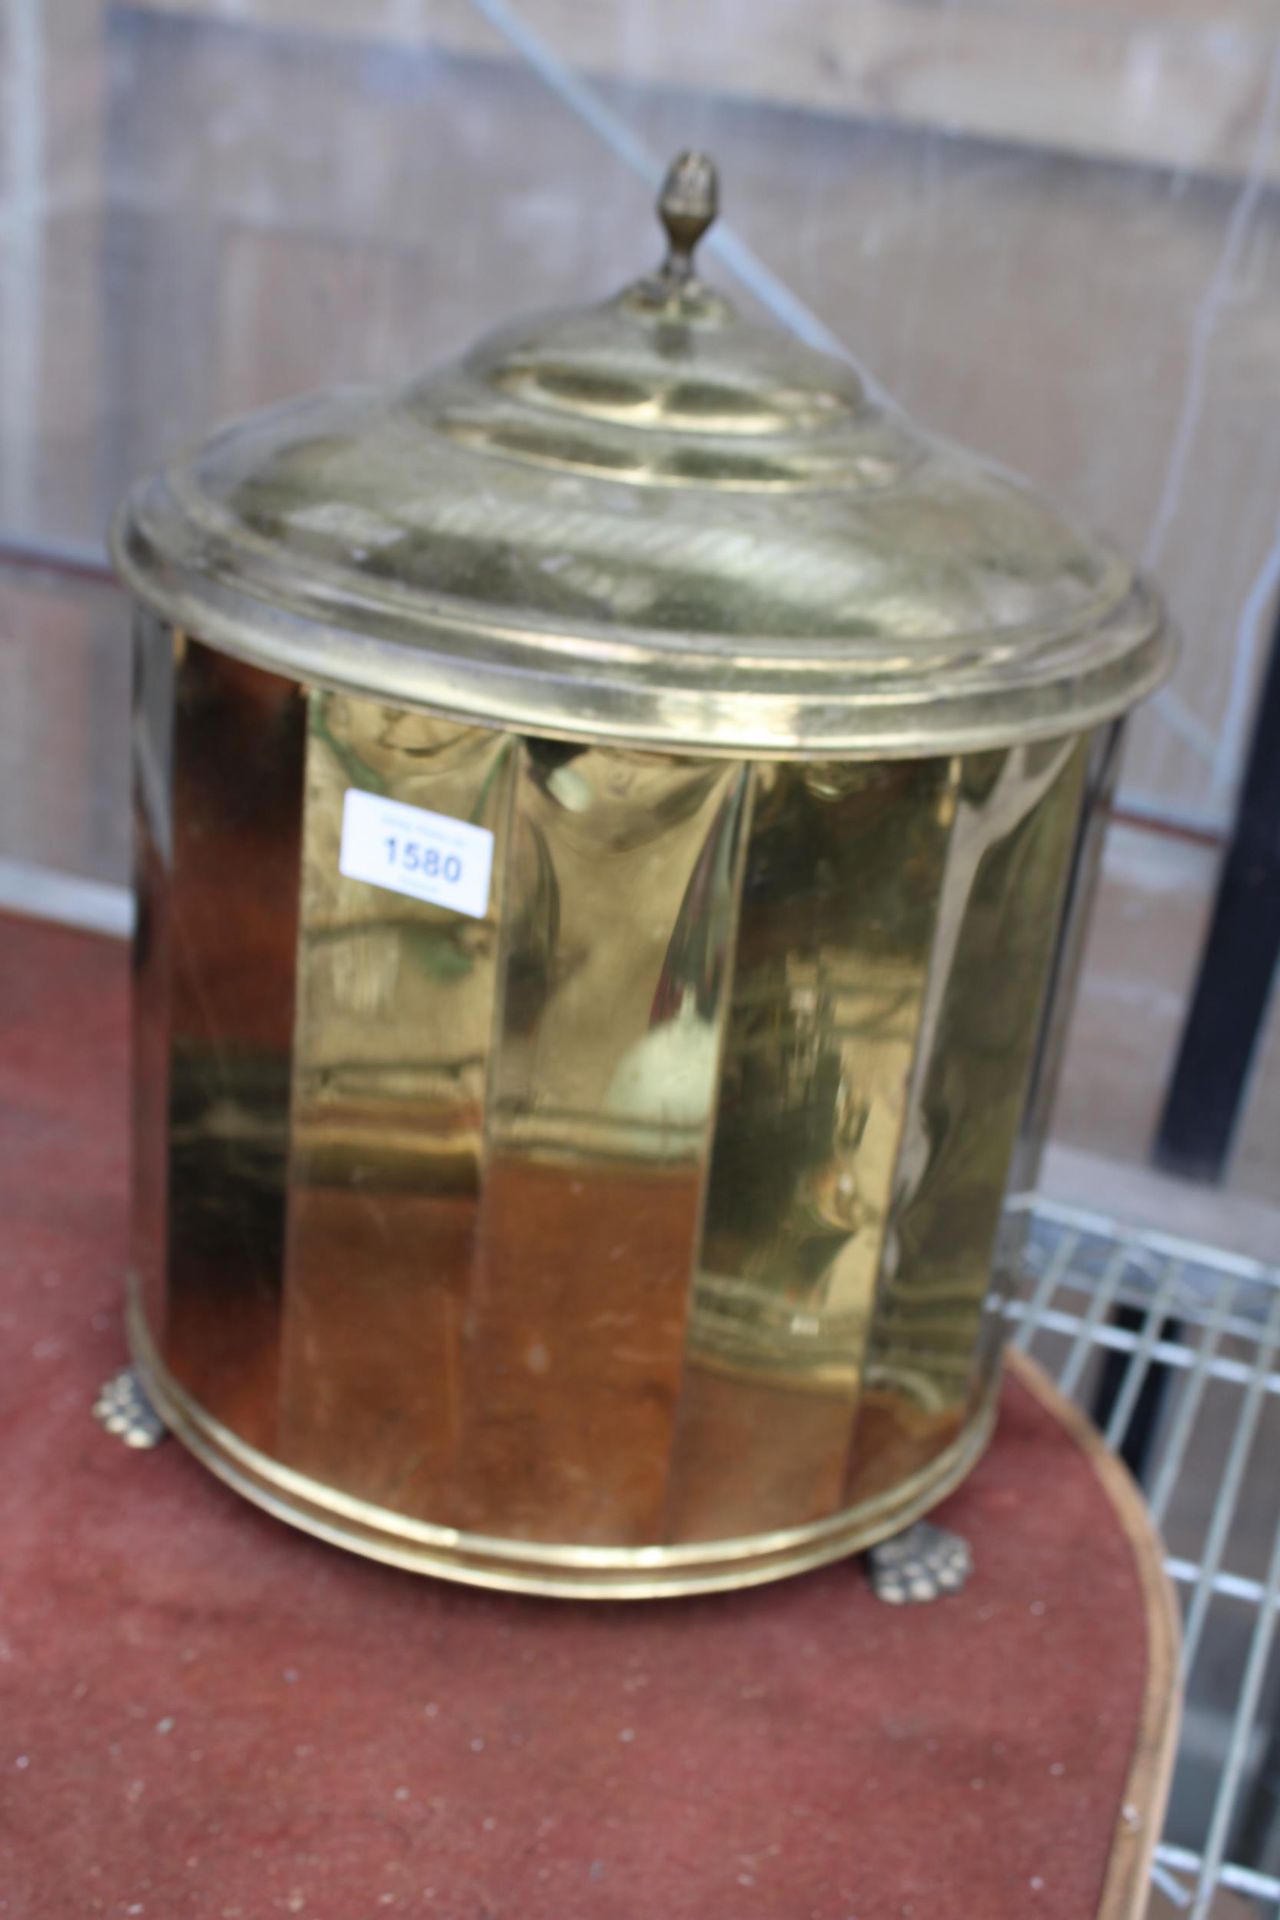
x: 687, y: 205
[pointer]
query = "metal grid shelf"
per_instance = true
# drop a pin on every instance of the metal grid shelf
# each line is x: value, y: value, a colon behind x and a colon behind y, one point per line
x: 1174, y: 1349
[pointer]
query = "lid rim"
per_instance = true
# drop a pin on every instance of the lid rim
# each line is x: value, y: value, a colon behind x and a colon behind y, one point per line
x: 675, y: 716
x: 195, y: 547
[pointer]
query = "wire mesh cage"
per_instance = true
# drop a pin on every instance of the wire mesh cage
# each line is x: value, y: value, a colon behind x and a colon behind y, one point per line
x: 1173, y: 1348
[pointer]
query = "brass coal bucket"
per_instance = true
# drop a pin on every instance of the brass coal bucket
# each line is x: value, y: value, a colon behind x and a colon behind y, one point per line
x: 612, y: 818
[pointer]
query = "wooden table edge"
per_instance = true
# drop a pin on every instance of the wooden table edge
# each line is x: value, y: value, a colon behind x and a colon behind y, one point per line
x: 1146, y: 1792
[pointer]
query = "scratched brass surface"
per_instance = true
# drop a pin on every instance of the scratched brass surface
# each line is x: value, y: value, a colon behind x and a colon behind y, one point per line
x: 640, y: 1230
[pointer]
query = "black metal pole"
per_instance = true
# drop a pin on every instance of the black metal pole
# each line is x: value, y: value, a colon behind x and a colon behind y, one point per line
x: 1229, y: 1005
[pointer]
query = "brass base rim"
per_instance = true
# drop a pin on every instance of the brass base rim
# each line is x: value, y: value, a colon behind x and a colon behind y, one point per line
x: 518, y: 1566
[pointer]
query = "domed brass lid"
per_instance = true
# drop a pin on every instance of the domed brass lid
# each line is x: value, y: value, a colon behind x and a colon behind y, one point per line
x: 649, y: 521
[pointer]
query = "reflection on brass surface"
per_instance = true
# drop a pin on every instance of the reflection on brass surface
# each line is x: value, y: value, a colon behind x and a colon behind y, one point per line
x: 618, y: 911
x: 1101, y: 751
x: 153, y: 678
x: 1015, y: 817
x: 839, y: 894
x: 486, y: 1560
x: 1101, y: 774
x: 238, y: 737
x: 651, y: 1214
x: 391, y: 1053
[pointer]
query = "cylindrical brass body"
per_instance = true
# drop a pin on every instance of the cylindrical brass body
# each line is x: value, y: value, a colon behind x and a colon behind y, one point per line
x: 633, y: 1236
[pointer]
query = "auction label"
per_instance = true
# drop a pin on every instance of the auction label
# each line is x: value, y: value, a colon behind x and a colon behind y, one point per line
x: 426, y: 855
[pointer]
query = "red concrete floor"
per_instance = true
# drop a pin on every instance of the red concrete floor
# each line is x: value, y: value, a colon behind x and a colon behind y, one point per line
x: 205, y: 1713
